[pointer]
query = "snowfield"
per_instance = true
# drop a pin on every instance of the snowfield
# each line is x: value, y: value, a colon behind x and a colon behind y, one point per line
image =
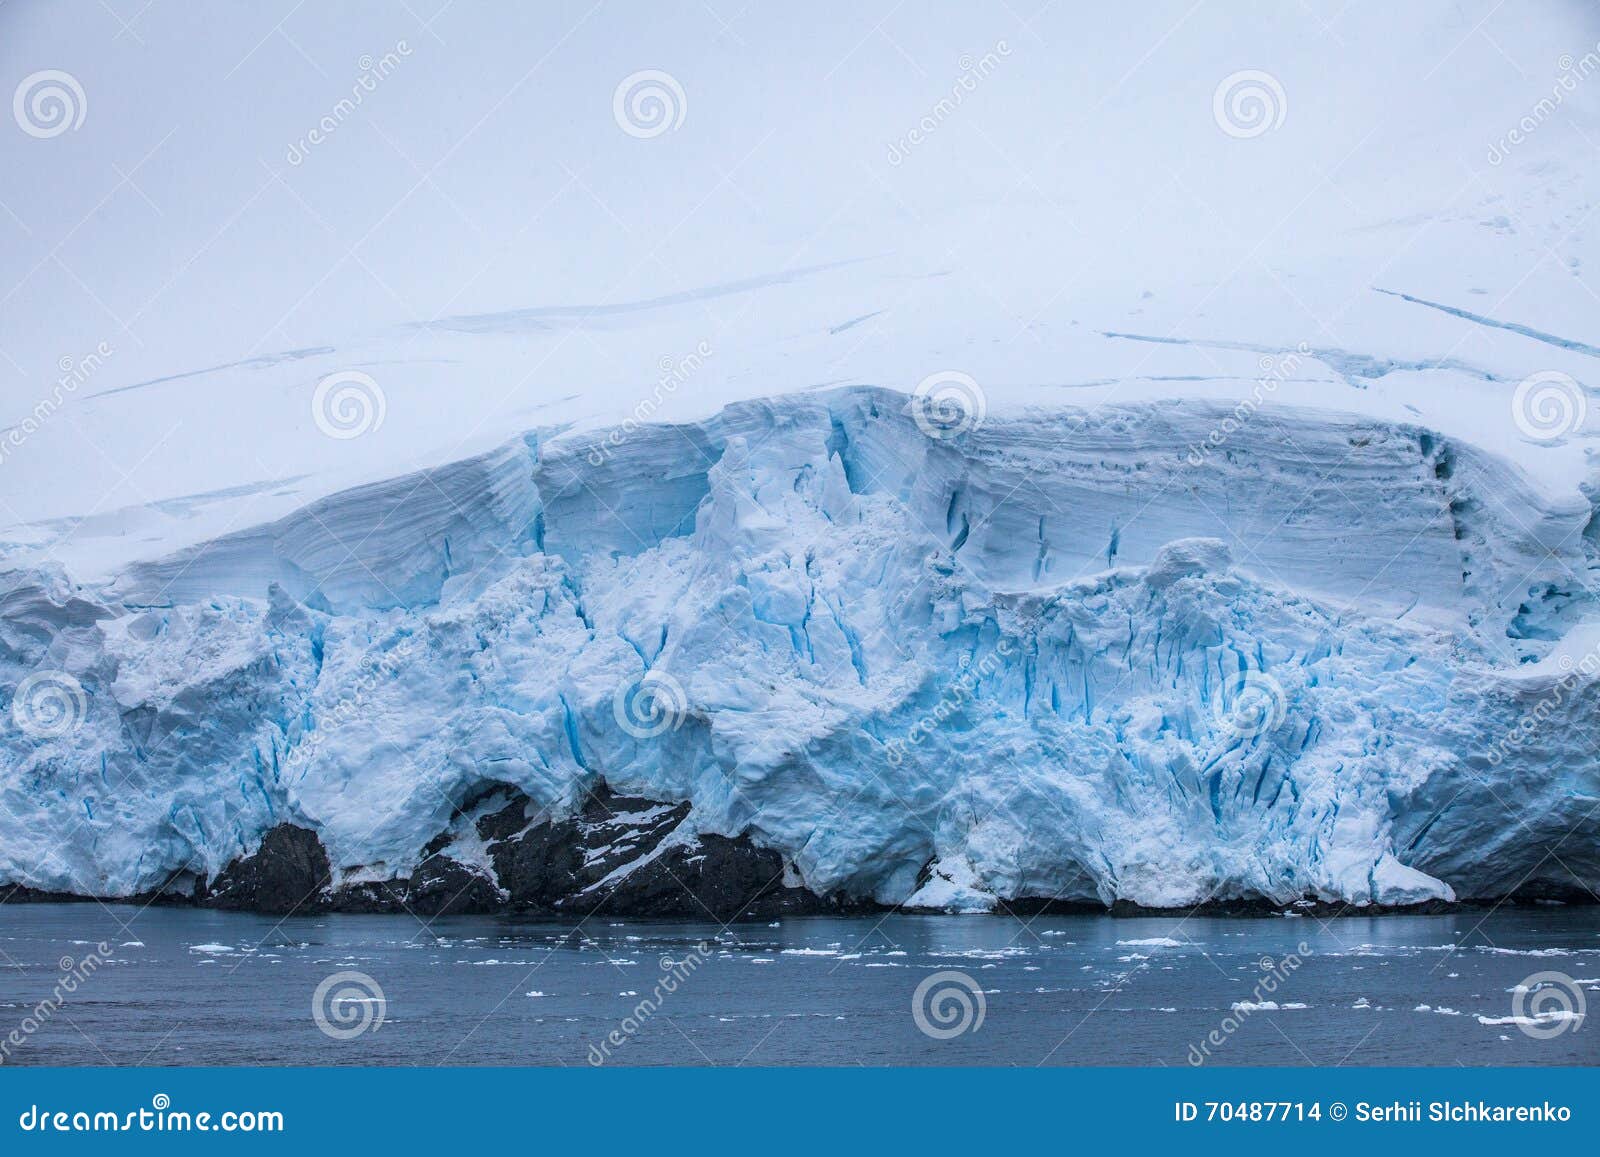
x: 976, y: 546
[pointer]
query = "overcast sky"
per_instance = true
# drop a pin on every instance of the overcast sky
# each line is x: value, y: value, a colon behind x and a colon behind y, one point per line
x: 187, y: 219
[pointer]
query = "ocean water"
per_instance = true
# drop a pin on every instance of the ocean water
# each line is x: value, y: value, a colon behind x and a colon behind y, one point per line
x: 162, y: 986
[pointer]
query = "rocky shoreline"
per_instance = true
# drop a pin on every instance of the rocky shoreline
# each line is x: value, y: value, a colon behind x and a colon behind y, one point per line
x: 616, y: 856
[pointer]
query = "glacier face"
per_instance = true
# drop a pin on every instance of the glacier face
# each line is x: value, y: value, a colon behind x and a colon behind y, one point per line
x: 1057, y: 656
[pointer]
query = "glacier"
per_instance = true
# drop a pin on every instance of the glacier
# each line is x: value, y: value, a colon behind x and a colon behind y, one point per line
x: 1054, y: 657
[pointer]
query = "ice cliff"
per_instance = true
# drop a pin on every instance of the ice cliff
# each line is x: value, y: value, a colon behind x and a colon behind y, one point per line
x: 1061, y: 655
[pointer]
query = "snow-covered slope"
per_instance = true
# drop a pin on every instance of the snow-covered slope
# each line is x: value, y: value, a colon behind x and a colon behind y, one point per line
x: 1214, y: 519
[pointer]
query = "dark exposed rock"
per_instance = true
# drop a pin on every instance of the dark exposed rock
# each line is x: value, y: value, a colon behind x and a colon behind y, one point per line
x: 441, y: 886
x: 715, y: 877
x: 544, y: 862
x: 174, y: 896
x: 625, y: 856
x: 615, y: 855
x: 369, y: 896
x: 1547, y: 892
x: 18, y: 894
x: 288, y: 873
x: 1321, y: 909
